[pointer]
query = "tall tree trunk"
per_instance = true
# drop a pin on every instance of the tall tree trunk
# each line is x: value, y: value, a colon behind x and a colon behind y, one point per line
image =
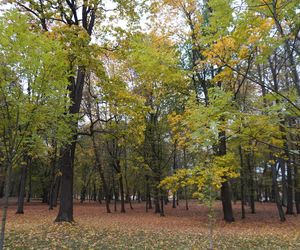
x: 21, y: 197
x: 68, y: 153
x: 101, y: 173
x: 225, y: 188
x: 276, y: 193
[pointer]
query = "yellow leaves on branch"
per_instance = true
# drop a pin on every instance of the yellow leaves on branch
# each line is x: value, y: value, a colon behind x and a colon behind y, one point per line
x: 221, y: 51
x: 210, y: 173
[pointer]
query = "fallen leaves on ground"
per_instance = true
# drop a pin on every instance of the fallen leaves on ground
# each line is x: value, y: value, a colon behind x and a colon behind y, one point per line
x: 136, y: 229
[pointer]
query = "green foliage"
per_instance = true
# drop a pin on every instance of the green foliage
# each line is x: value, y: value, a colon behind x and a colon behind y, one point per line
x: 33, y: 87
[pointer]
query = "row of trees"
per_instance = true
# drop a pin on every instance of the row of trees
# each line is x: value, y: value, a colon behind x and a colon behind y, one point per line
x: 200, y: 99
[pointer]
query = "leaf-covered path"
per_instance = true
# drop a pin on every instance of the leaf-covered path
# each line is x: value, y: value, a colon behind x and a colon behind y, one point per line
x: 180, y: 229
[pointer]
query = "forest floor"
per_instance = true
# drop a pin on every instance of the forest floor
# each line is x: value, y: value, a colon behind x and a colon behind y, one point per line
x: 136, y: 229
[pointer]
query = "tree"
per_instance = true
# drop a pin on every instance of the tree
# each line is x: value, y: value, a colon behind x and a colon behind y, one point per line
x: 77, y: 21
x: 27, y: 115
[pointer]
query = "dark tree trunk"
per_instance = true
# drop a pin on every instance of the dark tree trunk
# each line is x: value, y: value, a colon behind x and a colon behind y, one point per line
x: 226, y: 202
x: 94, y: 191
x: 2, y: 188
x: 122, y: 193
x: 186, y: 199
x: 115, y: 201
x: 82, y: 194
x: 148, y: 194
x: 68, y: 152
x: 66, y: 191
x: 166, y: 199
x: 21, y: 196
x: 128, y: 199
x: 139, y: 197
x: 162, y: 212
x: 29, y: 185
x: 225, y: 188
x: 100, y: 195
x: 5, y: 202
x: 174, y: 201
x: 45, y: 195
x: 156, y: 200
x: 149, y: 201
x: 114, y: 192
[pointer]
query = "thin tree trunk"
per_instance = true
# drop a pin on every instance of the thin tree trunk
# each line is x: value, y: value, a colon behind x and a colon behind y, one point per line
x: 101, y: 173
x: 29, y: 184
x: 114, y: 192
x: 5, y: 205
x: 82, y: 194
x: 297, y: 188
x: 242, y: 183
x: 174, y: 201
x: 122, y: 192
x: 157, y: 193
x: 284, y: 184
x: 162, y: 212
x: 186, y: 199
x: 251, y: 182
x: 2, y: 185
x: 276, y: 192
x: 290, y: 205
